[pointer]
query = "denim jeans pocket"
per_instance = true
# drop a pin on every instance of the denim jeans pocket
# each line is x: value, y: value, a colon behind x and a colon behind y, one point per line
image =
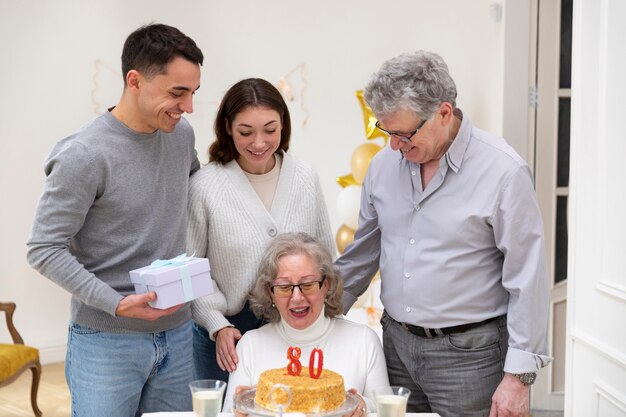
x: 78, y: 329
x: 481, y: 338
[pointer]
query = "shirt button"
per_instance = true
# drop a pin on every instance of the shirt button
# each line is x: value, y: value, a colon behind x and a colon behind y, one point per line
x: 407, y: 275
x: 412, y: 241
x: 408, y: 309
x: 413, y: 173
x: 417, y: 208
x: 271, y: 232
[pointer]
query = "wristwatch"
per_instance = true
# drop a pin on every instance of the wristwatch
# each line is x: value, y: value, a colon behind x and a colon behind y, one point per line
x: 527, y: 378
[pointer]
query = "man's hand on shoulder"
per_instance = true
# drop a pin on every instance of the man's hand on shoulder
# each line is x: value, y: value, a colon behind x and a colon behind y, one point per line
x: 136, y: 306
x: 510, y: 399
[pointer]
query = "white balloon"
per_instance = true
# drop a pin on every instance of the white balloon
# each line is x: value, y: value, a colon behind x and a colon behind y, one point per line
x: 348, y: 204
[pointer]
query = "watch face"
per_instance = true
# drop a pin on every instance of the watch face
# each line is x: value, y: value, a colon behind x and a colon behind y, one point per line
x: 527, y: 378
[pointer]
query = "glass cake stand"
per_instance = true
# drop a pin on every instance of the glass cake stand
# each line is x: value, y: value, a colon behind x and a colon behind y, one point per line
x: 244, y: 401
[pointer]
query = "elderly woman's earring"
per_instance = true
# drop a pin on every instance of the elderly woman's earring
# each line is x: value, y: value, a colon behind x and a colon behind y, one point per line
x: 273, y: 305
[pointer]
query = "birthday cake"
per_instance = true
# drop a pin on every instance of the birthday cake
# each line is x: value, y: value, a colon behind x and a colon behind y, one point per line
x: 308, y: 395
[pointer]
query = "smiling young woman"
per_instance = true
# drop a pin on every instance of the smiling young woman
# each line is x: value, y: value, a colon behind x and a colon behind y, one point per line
x: 250, y: 191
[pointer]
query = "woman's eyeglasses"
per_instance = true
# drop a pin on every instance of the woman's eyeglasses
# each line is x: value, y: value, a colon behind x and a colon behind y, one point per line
x: 306, y: 288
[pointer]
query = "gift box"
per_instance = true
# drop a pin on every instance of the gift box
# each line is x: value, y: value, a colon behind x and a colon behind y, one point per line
x: 175, y: 281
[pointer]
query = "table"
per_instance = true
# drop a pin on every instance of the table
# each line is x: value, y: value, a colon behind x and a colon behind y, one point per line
x: 191, y: 414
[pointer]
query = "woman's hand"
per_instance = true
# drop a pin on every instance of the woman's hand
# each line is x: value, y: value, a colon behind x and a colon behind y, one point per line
x: 226, y: 354
x: 361, y: 407
x: 239, y: 389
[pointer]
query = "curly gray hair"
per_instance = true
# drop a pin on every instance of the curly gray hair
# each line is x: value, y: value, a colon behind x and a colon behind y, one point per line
x: 292, y: 244
x: 419, y: 81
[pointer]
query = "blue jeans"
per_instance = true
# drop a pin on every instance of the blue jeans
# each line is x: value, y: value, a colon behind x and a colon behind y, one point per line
x: 127, y: 374
x: 453, y: 375
x: 204, y: 352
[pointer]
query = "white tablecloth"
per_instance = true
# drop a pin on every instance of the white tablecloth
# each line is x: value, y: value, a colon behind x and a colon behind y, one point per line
x: 191, y: 414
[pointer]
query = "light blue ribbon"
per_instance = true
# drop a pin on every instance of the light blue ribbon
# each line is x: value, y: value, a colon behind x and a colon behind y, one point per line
x: 185, y: 277
x: 185, y: 280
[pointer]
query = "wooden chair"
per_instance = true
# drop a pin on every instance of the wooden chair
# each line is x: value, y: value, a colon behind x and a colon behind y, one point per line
x: 16, y: 358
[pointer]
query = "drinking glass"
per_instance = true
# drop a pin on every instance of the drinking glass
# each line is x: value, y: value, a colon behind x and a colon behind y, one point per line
x: 207, y: 395
x: 391, y: 400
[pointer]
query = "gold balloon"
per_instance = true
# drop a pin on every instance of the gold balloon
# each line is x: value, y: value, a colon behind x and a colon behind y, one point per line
x: 361, y: 158
x: 344, y: 237
x: 346, y: 181
x: 369, y: 120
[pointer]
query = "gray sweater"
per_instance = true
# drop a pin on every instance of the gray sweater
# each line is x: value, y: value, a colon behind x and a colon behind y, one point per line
x: 114, y: 200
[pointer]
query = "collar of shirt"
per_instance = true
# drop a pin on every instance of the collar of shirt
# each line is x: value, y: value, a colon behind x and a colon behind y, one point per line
x: 456, y: 153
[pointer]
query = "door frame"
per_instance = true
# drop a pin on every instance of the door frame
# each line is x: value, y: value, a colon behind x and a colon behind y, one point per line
x: 523, y: 124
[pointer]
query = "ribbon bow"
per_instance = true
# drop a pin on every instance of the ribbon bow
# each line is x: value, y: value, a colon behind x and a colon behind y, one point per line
x: 177, y: 261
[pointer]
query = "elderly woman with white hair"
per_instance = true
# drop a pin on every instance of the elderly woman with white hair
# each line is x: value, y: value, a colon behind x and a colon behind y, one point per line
x: 299, y: 293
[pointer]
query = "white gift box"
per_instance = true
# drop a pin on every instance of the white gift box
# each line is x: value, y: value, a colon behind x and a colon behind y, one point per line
x: 175, y: 281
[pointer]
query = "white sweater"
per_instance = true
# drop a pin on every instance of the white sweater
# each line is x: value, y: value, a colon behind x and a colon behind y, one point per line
x: 229, y: 225
x: 353, y: 350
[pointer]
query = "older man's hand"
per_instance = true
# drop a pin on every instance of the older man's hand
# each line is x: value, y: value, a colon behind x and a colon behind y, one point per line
x: 510, y: 399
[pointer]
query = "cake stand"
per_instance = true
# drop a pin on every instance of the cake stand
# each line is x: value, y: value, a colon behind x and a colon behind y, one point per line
x: 244, y: 402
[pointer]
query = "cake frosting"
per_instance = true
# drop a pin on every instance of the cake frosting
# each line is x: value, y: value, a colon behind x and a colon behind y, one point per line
x: 308, y: 395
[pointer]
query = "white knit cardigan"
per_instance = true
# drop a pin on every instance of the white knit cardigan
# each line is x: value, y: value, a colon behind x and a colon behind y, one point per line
x: 229, y: 225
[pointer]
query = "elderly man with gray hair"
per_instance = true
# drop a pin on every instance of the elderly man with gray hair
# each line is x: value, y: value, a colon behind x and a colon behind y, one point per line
x: 450, y: 218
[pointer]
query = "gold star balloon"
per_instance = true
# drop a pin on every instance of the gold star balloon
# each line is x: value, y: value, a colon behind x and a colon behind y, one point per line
x: 346, y: 180
x: 363, y: 153
x: 369, y: 120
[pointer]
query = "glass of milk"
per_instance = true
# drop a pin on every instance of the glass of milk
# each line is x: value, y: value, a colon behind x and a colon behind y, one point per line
x: 391, y: 400
x: 207, y: 395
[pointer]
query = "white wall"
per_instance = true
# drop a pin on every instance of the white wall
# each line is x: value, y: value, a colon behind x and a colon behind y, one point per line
x: 60, y: 65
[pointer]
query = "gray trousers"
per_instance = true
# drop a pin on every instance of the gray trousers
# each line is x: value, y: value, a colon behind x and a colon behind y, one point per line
x: 453, y: 375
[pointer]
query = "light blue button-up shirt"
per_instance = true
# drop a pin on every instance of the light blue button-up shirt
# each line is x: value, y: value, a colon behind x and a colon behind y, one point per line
x: 467, y: 248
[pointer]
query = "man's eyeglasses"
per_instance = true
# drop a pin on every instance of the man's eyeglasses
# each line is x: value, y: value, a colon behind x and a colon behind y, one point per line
x: 306, y: 288
x: 403, y: 138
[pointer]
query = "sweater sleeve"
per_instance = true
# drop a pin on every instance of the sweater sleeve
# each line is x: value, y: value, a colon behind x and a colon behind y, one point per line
x: 197, y: 218
x: 73, y: 182
x: 208, y: 311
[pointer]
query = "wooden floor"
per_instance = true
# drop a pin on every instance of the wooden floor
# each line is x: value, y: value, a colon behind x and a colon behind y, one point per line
x: 53, y: 397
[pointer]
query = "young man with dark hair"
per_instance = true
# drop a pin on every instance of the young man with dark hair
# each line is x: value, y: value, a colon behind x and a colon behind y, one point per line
x: 115, y: 199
